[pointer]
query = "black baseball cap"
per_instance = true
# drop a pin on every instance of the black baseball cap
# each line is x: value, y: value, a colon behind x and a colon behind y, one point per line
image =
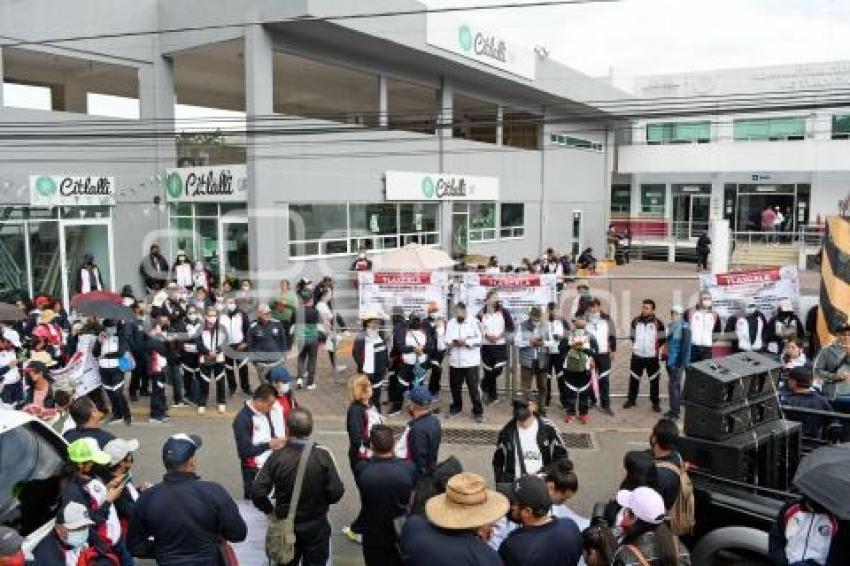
x: 179, y: 448
x: 530, y: 491
x: 523, y: 398
x: 801, y: 375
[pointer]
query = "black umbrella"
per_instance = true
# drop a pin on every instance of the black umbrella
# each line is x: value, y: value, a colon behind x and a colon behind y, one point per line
x: 824, y: 475
x: 105, y: 309
x: 11, y: 313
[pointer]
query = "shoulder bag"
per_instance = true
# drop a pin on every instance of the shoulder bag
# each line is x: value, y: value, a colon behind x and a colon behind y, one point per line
x: 280, y: 536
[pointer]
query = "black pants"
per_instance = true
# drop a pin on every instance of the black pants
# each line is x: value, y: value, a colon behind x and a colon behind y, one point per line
x: 574, y: 388
x: 139, y: 378
x: 234, y: 367
x: 494, y: 357
x: 248, y: 477
x: 603, y: 366
x: 312, y: 543
x: 702, y: 259
x: 377, y: 382
x: 97, y: 397
x: 381, y: 555
x: 307, y: 361
x: 399, y: 385
x: 653, y: 371
x: 158, y: 402
x: 211, y: 375
x: 189, y: 366
x: 700, y: 353
x: 113, y: 383
x: 436, y: 361
x: 457, y: 378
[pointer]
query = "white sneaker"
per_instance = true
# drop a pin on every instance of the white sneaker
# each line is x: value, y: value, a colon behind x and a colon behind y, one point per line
x: 202, y: 410
x: 311, y: 387
x: 222, y: 408
x: 341, y: 367
x: 299, y: 383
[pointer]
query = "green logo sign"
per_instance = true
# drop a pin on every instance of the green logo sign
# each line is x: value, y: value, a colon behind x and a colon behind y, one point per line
x: 464, y: 36
x: 174, y: 185
x: 428, y: 187
x: 45, y: 186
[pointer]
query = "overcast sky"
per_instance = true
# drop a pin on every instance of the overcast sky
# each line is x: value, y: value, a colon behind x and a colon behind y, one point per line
x: 640, y: 37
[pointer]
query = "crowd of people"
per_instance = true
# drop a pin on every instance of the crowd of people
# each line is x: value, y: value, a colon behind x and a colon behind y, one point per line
x: 195, y: 339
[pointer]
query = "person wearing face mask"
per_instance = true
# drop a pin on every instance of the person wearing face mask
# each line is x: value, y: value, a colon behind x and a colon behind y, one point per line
x: 88, y: 277
x: 371, y: 356
x: 267, y: 343
x: 527, y: 443
x: 189, y: 359
x: 574, y: 382
x: 168, y: 304
x: 531, y: 340
x: 463, y: 337
x: 648, y: 336
x: 236, y: 326
x: 601, y: 328
x: 362, y: 263
x: 705, y: 328
x: 210, y: 342
x: 247, y: 299
x: 413, y: 344
x: 67, y: 542
x: 159, y: 358
x: 108, y: 349
x: 200, y: 276
x: 328, y: 328
x: 136, y: 342
x: 582, y: 300
x: 646, y: 537
x: 436, y: 330
x: 121, y: 461
x: 784, y: 324
x: 281, y: 379
x: 747, y: 329
x: 181, y: 272
x: 496, y: 324
x: 677, y: 352
x: 39, y: 398
x: 420, y: 441
x: 154, y: 269
x: 200, y: 299
x: 284, y: 306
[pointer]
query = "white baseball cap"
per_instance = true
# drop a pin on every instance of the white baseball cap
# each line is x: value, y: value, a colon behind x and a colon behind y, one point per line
x: 75, y: 516
x: 645, y: 503
x: 118, y: 448
x: 679, y: 309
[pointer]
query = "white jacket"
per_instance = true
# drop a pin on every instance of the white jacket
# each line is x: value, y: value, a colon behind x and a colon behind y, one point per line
x: 703, y: 324
x: 470, y: 331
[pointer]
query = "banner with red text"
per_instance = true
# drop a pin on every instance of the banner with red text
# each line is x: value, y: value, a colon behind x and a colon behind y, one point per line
x: 382, y: 292
x: 730, y: 291
x: 518, y: 293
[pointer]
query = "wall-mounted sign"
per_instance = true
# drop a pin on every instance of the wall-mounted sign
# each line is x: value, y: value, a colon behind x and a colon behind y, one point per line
x: 406, y: 185
x: 225, y: 183
x: 71, y: 190
x: 465, y: 37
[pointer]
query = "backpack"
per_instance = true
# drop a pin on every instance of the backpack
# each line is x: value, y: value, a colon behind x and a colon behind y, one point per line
x: 682, y: 514
x: 576, y: 361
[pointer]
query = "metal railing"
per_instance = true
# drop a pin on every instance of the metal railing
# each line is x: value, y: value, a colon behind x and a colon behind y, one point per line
x: 807, y: 236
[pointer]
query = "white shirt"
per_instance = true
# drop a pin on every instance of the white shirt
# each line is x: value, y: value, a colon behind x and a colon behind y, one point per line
x: 108, y: 346
x: 494, y: 325
x: 742, y: 331
x: 10, y: 360
x: 262, y: 433
x: 600, y: 329
x: 232, y: 324
x: 464, y: 356
x: 528, y: 450
x: 415, y: 339
x: 702, y: 327
x: 183, y: 275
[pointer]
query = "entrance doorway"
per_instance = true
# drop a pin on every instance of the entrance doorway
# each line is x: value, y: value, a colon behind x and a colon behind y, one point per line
x: 460, y: 230
x: 234, y: 241
x: 744, y: 203
x: 577, y: 233
x: 77, y: 238
x: 690, y: 215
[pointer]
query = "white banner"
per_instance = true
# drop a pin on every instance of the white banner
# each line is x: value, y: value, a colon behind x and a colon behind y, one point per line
x: 381, y: 292
x: 729, y: 291
x: 71, y: 190
x: 226, y: 183
x: 518, y: 293
x: 408, y: 185
x: 89, y: 375
x: 465, y: 36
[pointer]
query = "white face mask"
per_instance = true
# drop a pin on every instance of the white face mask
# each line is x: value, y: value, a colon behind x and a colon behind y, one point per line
x: 750, y: 310
x: 127, y: 301
x: 76, y: 539
x: 193, y: 316
x: 231, y: 307
x: 283, y: 388
x: 595, y: 316
x: 372, y: 333
x: 706, y: 304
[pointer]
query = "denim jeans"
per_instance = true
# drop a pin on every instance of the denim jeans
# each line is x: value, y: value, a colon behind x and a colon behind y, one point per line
x: 674, y: 388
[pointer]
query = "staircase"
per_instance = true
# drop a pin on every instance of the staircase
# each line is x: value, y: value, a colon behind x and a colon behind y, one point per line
x: 765, y: 255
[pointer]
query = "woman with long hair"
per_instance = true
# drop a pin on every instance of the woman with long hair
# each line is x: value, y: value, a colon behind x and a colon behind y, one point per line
x: 646, y: 538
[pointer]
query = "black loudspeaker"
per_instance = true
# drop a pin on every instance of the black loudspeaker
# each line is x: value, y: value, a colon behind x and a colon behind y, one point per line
x: 727, y: 381
x: 719, y: 424
x: 767, y: 455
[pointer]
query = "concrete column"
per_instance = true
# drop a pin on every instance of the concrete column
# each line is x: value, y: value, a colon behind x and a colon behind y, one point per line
x: 500, y: 124
x: 724, y: 130
x: 383, y: 101
x: 716, y: 200
x: 1, y: 77
x: 268, y: 244
x: 820, y: 125
x: 636, y: 181
x: 75, y: 97
x: 444, y: 134
x: 720, y: 246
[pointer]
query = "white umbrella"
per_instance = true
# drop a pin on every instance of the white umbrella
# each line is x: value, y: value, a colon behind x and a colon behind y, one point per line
x: 413, y: 257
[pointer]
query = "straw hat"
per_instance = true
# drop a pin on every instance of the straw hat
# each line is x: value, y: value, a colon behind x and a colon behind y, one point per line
x: 46, y: 316
x: 466, y: 504
x: 42, y: 357
x: 371, y: 315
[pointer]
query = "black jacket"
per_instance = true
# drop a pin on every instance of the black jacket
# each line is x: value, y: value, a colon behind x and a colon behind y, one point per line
x: 504, y: 459
x: 357, y: 425
x: 321, y: 486
x: 385, y: 485
x: 423, y: 443
x: 186, y: 517
x: 74, y: 491
x: 382, y: 357
x: 51, y: 552
x: 267, y: 342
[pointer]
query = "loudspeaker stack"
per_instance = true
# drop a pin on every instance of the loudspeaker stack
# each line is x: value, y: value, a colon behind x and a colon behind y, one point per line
x: 733, y: 423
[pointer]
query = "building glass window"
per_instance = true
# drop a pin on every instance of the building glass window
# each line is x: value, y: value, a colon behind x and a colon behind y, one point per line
x: 770, y: 129
x: 411, y: 107
x: 473, y: 119
x: 512, y: 220
x: 558, y: 138
x: 652, y: 200
x: 13, y: 261
x: 337, y: 229
x: 482, y: 221
x: 678, y: 132
x: 621, y: 200
x: 841, y: 127
x: 521, y: 129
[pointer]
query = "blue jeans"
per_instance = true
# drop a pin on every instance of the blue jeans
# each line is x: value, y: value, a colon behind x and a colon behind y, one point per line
x: 674, y: 388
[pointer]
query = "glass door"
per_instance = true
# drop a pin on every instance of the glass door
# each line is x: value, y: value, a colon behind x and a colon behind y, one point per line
x: 235, y: 256
x: 460, y: 230
x: 577, y: 233
x: 700, y: 213
x: 681, y: 216
x: 81, y: 237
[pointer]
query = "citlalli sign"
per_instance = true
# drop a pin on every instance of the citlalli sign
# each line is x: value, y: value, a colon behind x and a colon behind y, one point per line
x: 64, y: 190
x: 408, y: 185
x: 206, y: 184
x: 469, y: 39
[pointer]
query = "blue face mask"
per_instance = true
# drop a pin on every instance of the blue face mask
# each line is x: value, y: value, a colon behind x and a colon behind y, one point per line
x: 76, y: 539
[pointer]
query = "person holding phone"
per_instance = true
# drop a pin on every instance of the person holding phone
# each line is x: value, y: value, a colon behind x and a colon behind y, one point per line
x: 463, y: 336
